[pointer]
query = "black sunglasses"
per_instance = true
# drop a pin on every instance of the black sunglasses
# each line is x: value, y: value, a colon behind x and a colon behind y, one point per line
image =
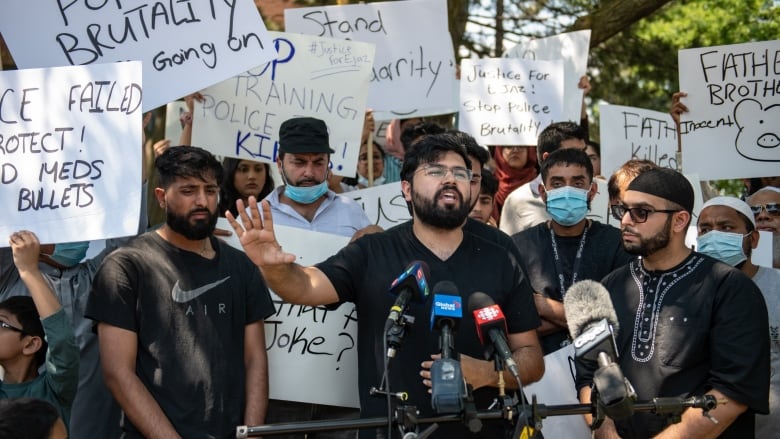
x: 771, y: 208
x: 5, y: 325
x: 638, y: 214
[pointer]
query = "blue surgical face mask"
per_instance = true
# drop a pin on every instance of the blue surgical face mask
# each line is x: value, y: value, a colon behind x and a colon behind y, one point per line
x: 724, y: 246
x: 364, y: 181
x: 70, y: 253
x: 567, y: 205
x: 306, y: 194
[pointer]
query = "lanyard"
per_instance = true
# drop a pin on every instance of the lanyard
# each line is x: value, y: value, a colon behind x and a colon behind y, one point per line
x: 577, y: 259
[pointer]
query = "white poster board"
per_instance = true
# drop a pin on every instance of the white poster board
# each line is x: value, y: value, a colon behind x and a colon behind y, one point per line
x: 312, y: 351
x: 599, y: 205
x: 324, y: 78
x: 384, y: 204
x: 572, y: 48
x: 629, y: 133
x: 70, y: 152
x: 414, y: 71
x: 184, y: 46
x: 733, y: 127
x: 173, y: 124
x: 509, y: 101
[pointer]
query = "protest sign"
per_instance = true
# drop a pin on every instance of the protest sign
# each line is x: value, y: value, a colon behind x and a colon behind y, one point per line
x: 414, y: 71
x: 184, y: 45
x: 173, y: 124
x: 509, y: 101
x: 319, y: 77
x: 384, y: 204
x: 629, y: 133
x: 312, y: 350
x: 733, y: 127
x: 572, y: 48
x: 70, y: 148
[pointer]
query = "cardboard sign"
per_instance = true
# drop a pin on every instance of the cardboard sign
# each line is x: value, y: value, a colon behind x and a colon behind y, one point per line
x: 572, y: 48
x: 319, y: 77
x: 629, y: 133
x: 70, y: 151
x: 414, y: 71
x: 509, y: 101
x: 384, y: 204
x: 733, y: 127
x: 184, y: 45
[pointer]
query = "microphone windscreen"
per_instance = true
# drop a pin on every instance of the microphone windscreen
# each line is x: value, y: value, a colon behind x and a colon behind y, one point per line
x: 479, y: 300
x: 445, y: 287
x: 587, y: 302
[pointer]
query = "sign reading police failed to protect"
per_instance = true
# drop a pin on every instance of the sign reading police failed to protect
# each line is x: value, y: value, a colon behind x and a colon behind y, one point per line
x: 414, y: 72
x: 70, y: 151
x: 324, y: 78
x: 734, y: 102
x: 509, y: 101
x: 185, y: 45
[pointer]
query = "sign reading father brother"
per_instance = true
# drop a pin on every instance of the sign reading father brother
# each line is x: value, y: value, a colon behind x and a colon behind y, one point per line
x: 185, y: 45
x: 70, y: 151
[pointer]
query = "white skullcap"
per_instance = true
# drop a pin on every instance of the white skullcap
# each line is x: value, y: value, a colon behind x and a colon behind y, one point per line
x: 734, y: 203
x: 768, y: 188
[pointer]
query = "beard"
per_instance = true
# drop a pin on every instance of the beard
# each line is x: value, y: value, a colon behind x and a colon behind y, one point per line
x: 194, y: 231
x: 448, y: 217
x: 647, y: 247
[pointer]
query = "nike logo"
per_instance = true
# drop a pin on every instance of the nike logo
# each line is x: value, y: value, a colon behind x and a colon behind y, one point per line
x: 182, y: 296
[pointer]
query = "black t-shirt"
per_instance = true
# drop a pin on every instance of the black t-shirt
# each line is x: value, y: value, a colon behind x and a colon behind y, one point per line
x: 189, y: 313
x: 699, y: 326
x: 362, y: 273
x: 602, y: 252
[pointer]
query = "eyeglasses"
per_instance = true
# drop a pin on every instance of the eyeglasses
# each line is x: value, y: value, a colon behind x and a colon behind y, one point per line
x: 771, y: 208
x: 440, y: 172
x: 5, y: 325
x: 638, y: 214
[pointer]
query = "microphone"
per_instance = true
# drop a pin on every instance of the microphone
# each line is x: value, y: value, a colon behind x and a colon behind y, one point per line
x: 448, y: 388
x: 491, y: 322
x: 591, y: 319
x: 412, y: 284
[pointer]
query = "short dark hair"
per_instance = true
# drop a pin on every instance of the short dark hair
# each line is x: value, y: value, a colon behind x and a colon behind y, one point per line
x: 489, y: 183
x: 428, y: 149
x: 628, y: 171
x: 187, y: 161
x: 551, y: 137
x: 23, y: 308
x: 567, y: 156
x: 412, y: 133
x: 27, y: 418
x: 473, y: 149
x: 228, y: 194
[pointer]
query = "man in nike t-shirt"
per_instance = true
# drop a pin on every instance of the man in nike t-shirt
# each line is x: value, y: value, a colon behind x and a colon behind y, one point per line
x: 180, y: 316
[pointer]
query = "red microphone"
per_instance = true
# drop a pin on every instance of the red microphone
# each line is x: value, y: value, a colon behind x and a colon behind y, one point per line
x: 491, y: 329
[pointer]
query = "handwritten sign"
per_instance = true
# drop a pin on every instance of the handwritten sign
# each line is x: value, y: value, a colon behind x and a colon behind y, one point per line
x: 70, y: 151
x: 384, y: 204
x: 572, y: 48
x: 311, y: 76
x: 414, y: 72
x: 734, y: 102
x: 630, y: 133
x: 508, y: 101
x: 184, y: 45
x: 312, y: 351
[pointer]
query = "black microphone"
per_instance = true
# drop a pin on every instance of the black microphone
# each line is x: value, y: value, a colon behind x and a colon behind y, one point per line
x: 593, y: 322
x: 491, y: 322
x: 412, y: 284
x: 448, y: 388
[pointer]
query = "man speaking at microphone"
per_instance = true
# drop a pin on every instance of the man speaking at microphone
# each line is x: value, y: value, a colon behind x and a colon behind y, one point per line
x: 690, y: 324
x: 435, y: 183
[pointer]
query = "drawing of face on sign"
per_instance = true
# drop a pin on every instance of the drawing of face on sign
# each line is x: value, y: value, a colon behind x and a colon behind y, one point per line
x: 759, y: 131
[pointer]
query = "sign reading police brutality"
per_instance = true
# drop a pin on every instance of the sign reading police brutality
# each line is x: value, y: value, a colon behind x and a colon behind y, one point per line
x: 572, y: 48
x: 509, y: 101
x: 312, y: 350
x: 70, y: 151
x: 414, y: 72
x: 184, y: 45
x: 324, y: 78
x: 630, y: 133
x: 734, y: 102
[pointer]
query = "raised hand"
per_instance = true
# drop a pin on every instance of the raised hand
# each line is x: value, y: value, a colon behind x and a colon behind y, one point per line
x: 26, y: 248
x: 256, y: 234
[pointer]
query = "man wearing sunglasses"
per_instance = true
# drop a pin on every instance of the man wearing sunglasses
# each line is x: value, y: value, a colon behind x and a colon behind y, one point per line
x: 765, y: 204
x: 689, y: 324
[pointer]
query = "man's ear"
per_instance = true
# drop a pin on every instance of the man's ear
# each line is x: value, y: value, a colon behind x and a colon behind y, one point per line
x: 542, y: 192
x: 32, y: 345
x: 406, y: 190
x: 594, y: 189
x: 681, y: 221
x: 159, y: 193
x: 754, y: 237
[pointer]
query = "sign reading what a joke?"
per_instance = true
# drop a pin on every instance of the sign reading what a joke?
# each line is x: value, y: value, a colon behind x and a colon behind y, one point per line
x: 185, y: 45
x: 70, y: 151
x: 325, y: 78
x: 509, y: 101
x: 414, y: 71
